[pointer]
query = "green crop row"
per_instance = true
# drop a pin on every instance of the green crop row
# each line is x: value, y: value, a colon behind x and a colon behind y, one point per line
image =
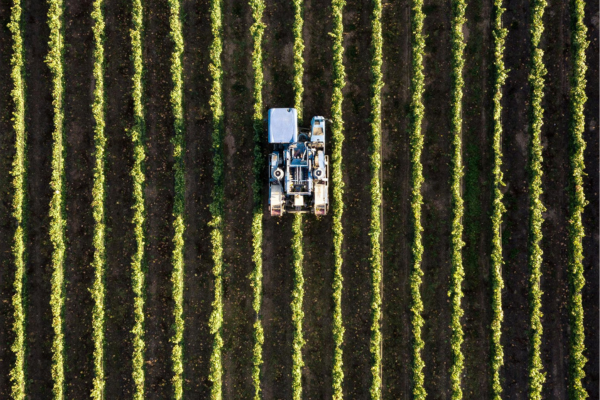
x: 375, y: 189
x: 138, y: 136
x: 298, y: 59
x: 179, y: 199
x: 337, y: 139
x: 19, y: 202
x: 297, y: 313
x: 536, y: 208
x: 257, y: 30
x: 578, y: 202
x: 500, y: 73
x: 216, y: 206
x: 54, y: 60
x: 98, y: 198
x: 417, y: 111
x: 457, y: 271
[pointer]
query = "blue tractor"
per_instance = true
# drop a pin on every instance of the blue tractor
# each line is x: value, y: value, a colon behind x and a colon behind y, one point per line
x: 298, y: 166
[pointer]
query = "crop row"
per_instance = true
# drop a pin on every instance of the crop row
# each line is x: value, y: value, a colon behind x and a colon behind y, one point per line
x: 179, y: 199
x: 337, y: 136
x: 417, y: 111
x: 500, y: 73
x: 297, y: 237
x: 54, y: 60
x: 536, y: 208
x: 257, y: 31
x: 457, y: 271
x: 138, y: 173
x: 578, y: 98
x: 98, y: 200
x: 19, y: 173
x: 216, y: 206
x: 375, y: 189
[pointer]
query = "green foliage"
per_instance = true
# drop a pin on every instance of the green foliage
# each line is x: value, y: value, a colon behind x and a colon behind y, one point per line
x: 179, y: 200
x: 578, y: 202
x: 257, y: 30
x: 297, y: 313
x: 216, y: 207
x: 138, y: 174
x: 457, y: 271
x: 19, y: 183
x: 536, y: 208
x: 54, y: 60
x: 98, y: 201
x: 500, y: 73
x: 417, y: 111
x: 298, y: 59
x: 375, y: 189
x: 337, y: 139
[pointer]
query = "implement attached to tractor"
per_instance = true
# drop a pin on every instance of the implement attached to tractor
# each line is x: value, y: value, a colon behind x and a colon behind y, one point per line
x: 298, y: 166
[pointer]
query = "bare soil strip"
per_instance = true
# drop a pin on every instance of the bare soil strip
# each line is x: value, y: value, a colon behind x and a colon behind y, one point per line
x: 277, y: 254
x: 238, y: 205
x: 515, y: 142
x: 397, y: 236
x: 436, y: 215
x: 39, y: 124
x: 477, y: 194
x: 197, y: 341
x: 79, y: 125
x: 590, y: 216
x: 318, y: 246
x: 119, y: 201
x: 356, y: 298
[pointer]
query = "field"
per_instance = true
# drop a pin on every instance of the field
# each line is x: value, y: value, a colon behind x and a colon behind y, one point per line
x: 459, y: 258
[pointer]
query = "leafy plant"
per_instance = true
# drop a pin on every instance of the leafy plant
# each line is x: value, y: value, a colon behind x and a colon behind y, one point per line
x: 179, y: 200
x: 98, y: 196
x: 457, y: 271
x: 375, y: 189
x: 417, y: 111
x: 500, y: 73
x: 297, y: 313
x: 19, y: 201
x: 578, y: 202
x: 54, y: 59
x: 337, y: 135
x: 536, y: 208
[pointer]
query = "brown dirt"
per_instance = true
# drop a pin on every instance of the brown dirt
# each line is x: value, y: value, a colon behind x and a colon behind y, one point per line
x: 198, y: 293
x: 590, y: 217
x: 159, y: 198
x: 396, y: 205
x: 239, y: 146
x: 356, y: 297
x: 436, y: 215
x: 39, y: 128
x: 119, y: 238
x: 79, y: 177
x: 7, y: 226
x: 277, y: 233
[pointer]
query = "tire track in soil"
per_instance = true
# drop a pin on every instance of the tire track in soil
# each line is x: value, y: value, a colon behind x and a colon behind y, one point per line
x: 238, y: 103
x: 556, y: 166
x: 396, y: 325
x: 436, y: 214
x: 118, y: 72
x: 38, y: 119
x: 79, y: 123
x: 356, y: 298
x: 590, y: 216
x: 159, y: 191
x: 199, y: 288
x: 318, y: 262
x: 515, y: 117
x: 477, y: 194
x: 277, y: 232
x: 7, y: 222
